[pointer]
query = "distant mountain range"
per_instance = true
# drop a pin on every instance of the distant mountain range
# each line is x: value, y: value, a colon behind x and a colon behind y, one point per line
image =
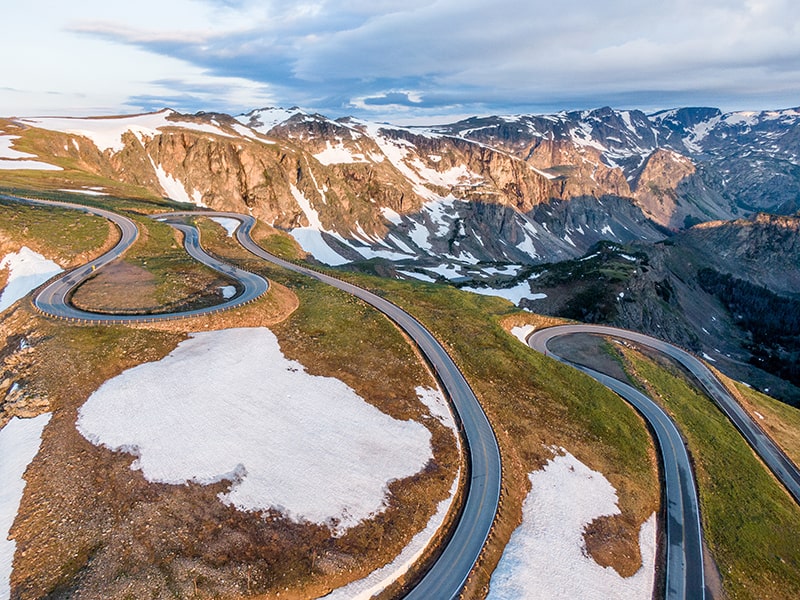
x: 506, y: 188
x: 484, y: 203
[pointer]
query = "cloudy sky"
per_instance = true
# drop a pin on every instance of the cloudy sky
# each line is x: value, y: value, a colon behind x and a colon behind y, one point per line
x: 397, y: 60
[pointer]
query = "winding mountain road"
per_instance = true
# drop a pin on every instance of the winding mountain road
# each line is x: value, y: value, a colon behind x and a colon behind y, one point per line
x: 684, y: 574
x: 446, y: 577
x: 53, y: 299
x: 776, y: 460
x: 684, y: 577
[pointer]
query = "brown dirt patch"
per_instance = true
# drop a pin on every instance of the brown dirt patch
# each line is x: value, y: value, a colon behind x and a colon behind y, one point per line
x: 609, y: 543
x: 118, y: 286
x: 589, y: 351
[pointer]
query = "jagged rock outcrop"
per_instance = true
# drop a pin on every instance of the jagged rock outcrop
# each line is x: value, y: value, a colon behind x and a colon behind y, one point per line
x: 764, y: 250
x: 524, y: 189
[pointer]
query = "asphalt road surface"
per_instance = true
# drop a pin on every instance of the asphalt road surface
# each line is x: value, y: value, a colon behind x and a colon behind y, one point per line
x: 53, y: 299
x: 684, y: 577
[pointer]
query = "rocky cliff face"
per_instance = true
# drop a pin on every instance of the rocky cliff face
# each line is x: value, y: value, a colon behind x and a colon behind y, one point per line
x: 522, y: 189
x: 764, y: 250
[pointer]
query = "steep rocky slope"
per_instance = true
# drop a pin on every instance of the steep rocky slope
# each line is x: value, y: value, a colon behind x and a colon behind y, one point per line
x: 663, y: 289
x: 521, y: 189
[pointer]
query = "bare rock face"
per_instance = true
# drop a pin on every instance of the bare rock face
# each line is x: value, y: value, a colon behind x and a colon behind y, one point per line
x: 524, y: 188
x: 670, y: 192
x: 656, y: 185
x: 764, y: 249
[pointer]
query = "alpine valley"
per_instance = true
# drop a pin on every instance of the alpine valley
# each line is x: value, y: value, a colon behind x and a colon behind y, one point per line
x: 683, y: 224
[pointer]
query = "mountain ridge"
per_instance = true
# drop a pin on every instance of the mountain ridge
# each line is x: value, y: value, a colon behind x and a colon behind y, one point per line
x: 522, y: 189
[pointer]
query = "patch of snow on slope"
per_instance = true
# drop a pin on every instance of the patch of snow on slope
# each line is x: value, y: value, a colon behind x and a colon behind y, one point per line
x: 85, y: 192
x: 245, y: 131
x: 335, y: 155
x: 7, y: 152
x: 458, y: 175
x: 446, y: 271
x: 397, y: 151
x: 547, y: 552
x: 522, y: 333
x: 311, y: 241
x: 306, y: 445
x: 514, y: 294
x: 379, y: 580
x: 305, y: 205
x: 438, y: 406
x: 19, y: 443
x: 230, y: 225
x: 606, y: 230
x: 11, y: 159
x: 32, y: 165
x: 442, y: 213
x: 310, y: 238
x: 699, y: 133
x: 27, y: 270
x: 106, y: 132
x: 420, y: 235
x: 268, y: 118
x: 369, y: 253
x: 173, y: 187
x: 419, y: 276
x: 746, y: 118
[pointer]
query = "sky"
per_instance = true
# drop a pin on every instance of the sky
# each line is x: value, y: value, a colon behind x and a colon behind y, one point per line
x: 401, y: 61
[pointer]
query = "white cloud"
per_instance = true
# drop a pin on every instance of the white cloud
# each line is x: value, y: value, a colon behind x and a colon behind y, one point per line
x: 455, y: 55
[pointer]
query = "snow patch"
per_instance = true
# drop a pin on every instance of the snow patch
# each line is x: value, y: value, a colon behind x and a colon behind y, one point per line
x: 305, y: 205
x: 227, y: 291
x: 311, y: 241
x: 173, y: 187
x: 265, y: 119
x: 8, y: 153
x: 335, y: 155
x: 438, y: 406
x: 306, y: 445
x: 19, y: 443
x: 513, y: 294
x: 606, y: 229
x: 418, y: 276
x: 522, y: 333
x: 379, y: 580
x: 547, y: 553
x: 27, y: 270
x: 446, y: 271
x: 106, y: 133
x: 86, y: 192
x: 31, y: 165
x: 230, y: 225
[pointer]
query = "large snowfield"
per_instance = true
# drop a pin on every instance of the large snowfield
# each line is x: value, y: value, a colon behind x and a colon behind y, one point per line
x: 227, y: 405
x: 106, y: 133
x: 546, y: 557
x: 19, y: 443
x: 27, y: 270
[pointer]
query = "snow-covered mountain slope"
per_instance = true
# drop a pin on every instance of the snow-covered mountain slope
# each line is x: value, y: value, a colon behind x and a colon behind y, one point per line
x: 514, y: 189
